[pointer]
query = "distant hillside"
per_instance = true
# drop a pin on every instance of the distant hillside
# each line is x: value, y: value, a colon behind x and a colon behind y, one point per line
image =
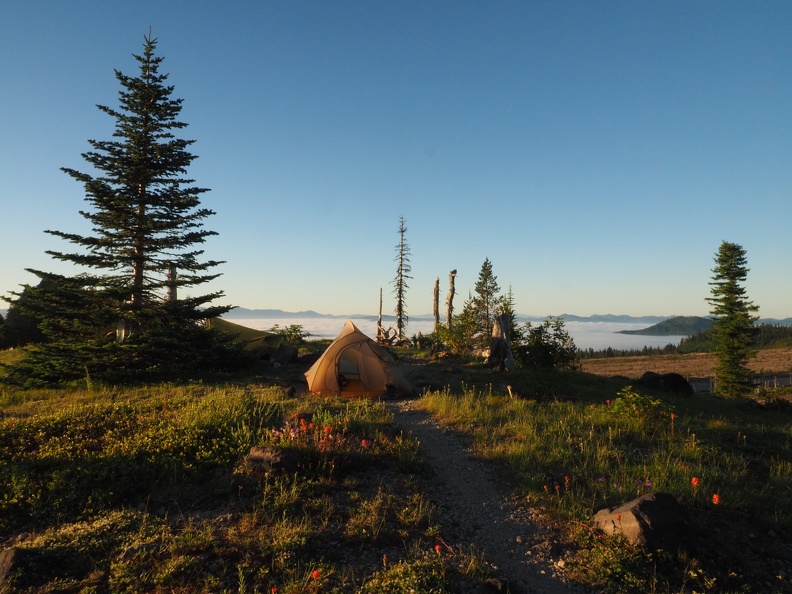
x: 618, y: 319
x: 678, y: 326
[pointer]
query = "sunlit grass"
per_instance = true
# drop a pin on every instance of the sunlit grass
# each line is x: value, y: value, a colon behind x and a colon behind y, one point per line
x: 147, y: 490
x: 575, y: 457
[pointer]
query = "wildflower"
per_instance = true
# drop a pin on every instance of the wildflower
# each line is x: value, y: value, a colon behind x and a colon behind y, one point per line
x: 438, y: 549
x: 601, y: 479
x: 566, y: 481
x: 673, y: 416
x: 364, y: 443
x: 617, y: 487
x: 558, y: 489
x: 274, y: 589
x: 327, y: 429
x: 315, y: 574
x: 618, y: 517
x: 715, y: 499
x: 648, y: 484
x: 695, y: 482
x: 607, y: 402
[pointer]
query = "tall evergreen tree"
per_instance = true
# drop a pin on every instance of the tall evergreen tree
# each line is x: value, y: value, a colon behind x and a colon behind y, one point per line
x: 733, y: 328
x: 507, y: 307
x: 123, y: 314
x: 400, y: 282
x: 485, y: 302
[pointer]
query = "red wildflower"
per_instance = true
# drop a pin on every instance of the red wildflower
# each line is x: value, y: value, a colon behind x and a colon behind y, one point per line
x: 618, y: 517
x: 695, y: 482
x: 438, y: 549
x: 315, y: 574
x: 715, y: 499
x: 364, y: 443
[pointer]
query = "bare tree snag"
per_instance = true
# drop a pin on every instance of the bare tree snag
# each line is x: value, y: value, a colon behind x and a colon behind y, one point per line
x: 501, y: 355
x: 450, y: 298
x: 436, y: 303
x: 380, y: 329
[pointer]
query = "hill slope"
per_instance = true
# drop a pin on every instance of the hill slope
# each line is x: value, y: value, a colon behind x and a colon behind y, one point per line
x: 678, y: 326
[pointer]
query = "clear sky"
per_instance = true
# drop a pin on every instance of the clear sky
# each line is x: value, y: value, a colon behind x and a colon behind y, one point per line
x: 596, y: 152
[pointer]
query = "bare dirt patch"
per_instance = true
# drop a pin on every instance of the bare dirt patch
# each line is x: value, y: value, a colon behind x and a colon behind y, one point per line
x: 691, y: 365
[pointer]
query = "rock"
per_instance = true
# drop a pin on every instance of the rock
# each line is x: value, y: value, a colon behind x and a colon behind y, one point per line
x: 654, y: 521
x: 666, y: 382
x: 9, y: 563
x: 261, y: 460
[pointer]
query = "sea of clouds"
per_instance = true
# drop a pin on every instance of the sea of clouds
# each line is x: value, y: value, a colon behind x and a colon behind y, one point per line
x: 587, y: 335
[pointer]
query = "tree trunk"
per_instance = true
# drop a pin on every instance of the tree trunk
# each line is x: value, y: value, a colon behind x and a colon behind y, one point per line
x: 380, y: 330
x: 501, y: 355
x: 450, y: 298
x: 172, y: 295
x: 436, y: 303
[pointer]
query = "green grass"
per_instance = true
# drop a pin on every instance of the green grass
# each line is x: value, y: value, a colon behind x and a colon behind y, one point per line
x: 581, y: 455
x: 147, y: 490
x: 114, y: 489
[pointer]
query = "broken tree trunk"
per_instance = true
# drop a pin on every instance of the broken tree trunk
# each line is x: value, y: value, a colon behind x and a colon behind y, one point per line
x: 450, y: 298
x: 436, y: 303
x: 501, y: 355
x: 380, y: 329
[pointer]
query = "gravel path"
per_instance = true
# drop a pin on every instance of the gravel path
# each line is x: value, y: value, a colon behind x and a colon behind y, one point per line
x: 476, y: 510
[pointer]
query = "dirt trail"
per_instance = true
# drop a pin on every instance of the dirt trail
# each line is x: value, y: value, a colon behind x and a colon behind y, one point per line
x: 477, y: 511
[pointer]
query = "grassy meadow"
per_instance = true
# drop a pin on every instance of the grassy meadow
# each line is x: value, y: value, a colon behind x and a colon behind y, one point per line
x: 148, y: 489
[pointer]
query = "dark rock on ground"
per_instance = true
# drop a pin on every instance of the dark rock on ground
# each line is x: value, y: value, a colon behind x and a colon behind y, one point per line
x: 666, y: 382
x: 655, y: 521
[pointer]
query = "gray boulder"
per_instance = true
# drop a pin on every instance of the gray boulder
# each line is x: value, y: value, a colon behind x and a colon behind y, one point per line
x: 654, y: 521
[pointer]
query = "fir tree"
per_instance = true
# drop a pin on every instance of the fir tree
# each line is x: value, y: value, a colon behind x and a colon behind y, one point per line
x: 400, y: 282
x: 123, y: 316
x: 733, y: 329
x: 485, y: 303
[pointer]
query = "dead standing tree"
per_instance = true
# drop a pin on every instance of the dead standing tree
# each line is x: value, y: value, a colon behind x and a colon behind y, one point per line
x: 436, y: 303
x: 501, y: 355
x: 450, y: 298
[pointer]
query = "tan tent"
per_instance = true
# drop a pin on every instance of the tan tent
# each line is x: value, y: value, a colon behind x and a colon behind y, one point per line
x: 355, y: 366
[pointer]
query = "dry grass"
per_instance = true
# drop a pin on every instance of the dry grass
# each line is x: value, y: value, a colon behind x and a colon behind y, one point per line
x: 691, y: 365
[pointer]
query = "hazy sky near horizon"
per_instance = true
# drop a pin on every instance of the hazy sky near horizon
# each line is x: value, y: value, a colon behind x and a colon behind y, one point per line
x: 596, y: 152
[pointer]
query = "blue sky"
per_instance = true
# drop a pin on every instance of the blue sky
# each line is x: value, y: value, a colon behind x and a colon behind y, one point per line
x: 596, y: 152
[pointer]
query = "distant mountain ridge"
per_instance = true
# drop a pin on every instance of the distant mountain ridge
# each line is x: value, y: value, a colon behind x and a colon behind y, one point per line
x: 689, y: 325
x: 242, y: 312
x: 677, y: 326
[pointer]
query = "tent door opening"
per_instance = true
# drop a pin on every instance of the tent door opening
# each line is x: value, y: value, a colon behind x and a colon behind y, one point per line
x: 349, y: 372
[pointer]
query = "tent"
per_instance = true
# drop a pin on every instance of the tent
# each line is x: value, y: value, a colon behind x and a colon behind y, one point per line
x: 355, y: 366
x: 268, y: 344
